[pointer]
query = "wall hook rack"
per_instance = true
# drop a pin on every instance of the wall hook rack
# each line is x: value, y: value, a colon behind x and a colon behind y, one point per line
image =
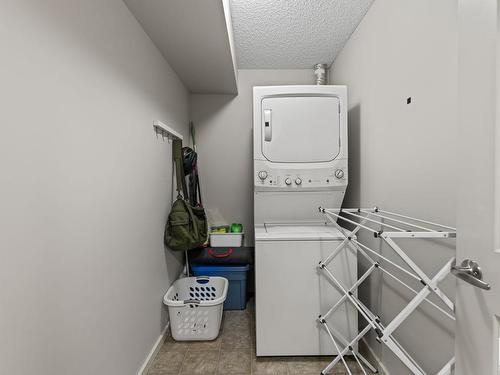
x: 165, y: 131
x: 385, y: 226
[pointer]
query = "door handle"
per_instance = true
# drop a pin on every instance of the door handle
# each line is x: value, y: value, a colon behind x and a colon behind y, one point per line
x: 268, y: 129
x: 470, y: 272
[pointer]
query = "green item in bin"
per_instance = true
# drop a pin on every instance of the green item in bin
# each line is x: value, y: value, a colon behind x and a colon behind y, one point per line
x: 236, y: 228
x: 220, y: 229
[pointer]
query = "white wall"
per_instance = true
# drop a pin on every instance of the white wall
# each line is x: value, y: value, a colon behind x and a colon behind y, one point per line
x: 224, y: 137
x: 85, y: 187
x: 402, y: 157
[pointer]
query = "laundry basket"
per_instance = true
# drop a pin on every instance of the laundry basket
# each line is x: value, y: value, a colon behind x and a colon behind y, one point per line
x: 195, y: 307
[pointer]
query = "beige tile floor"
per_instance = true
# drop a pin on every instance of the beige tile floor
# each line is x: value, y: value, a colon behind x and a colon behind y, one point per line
x: 233, y: 353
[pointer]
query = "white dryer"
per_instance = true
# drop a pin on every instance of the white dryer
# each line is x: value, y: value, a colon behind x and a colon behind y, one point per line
x: 300, y: 163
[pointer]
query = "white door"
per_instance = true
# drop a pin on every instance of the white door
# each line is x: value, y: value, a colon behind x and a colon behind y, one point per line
x: 478, y: 310
x: 299, y: 129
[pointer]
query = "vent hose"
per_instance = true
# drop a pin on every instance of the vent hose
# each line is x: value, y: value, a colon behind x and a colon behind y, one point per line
x: 321, y: 71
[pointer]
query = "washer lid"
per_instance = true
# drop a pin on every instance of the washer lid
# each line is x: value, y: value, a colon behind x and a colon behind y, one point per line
x: 296, y: 232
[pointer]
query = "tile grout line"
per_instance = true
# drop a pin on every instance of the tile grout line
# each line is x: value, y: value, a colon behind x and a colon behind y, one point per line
x: 252, y: 339
x: 221, y: 332
x: 218, y: 359
x: 253, y: 343
x: 250, y: 358
x: 183, y: 360
x: 218, y: 370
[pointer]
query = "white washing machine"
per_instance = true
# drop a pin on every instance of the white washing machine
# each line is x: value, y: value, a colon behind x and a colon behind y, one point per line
x: 300, y: 163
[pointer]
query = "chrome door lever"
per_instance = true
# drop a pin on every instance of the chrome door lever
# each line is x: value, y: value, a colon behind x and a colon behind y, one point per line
x: 470, y: 272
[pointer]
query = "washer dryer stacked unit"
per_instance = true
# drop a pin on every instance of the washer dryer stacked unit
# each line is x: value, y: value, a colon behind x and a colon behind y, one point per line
x: 300, y: 163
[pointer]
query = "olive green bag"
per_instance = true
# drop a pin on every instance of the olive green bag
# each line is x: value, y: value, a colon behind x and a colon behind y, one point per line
x: 187, y: 226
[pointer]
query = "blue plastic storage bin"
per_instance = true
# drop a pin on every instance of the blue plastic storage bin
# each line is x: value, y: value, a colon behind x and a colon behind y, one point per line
x: 237, y: 275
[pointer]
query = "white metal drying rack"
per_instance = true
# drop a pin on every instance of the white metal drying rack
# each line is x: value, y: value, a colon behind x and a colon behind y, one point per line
x: 390, y: 225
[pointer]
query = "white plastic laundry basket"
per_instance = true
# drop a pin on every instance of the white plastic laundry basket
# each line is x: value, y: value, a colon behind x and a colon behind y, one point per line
x: 195, y: 307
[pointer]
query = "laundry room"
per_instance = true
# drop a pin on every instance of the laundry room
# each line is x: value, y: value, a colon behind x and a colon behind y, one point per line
x: 236, y: 187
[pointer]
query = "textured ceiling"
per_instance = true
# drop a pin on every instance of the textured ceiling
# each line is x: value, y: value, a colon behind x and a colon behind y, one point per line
x: 283, y: 34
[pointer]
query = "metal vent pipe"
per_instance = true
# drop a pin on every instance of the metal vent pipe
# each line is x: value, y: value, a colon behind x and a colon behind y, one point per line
x: 321, y: 72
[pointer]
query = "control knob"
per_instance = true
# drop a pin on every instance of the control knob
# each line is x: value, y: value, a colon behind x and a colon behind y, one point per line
x: 262, y: 175
x: 288, y: 181
x: 339, y: 173
x: 298, y: 181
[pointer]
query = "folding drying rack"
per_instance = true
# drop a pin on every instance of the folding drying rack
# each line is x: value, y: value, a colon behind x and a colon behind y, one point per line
x: 390, y: 226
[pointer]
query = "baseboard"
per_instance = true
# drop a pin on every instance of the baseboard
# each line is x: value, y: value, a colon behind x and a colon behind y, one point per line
x: 154, y: 351
x: 161, y: 339
x: 382, y: 370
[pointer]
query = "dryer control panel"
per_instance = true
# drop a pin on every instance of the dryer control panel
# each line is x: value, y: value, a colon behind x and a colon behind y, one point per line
x: 330, y: 178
